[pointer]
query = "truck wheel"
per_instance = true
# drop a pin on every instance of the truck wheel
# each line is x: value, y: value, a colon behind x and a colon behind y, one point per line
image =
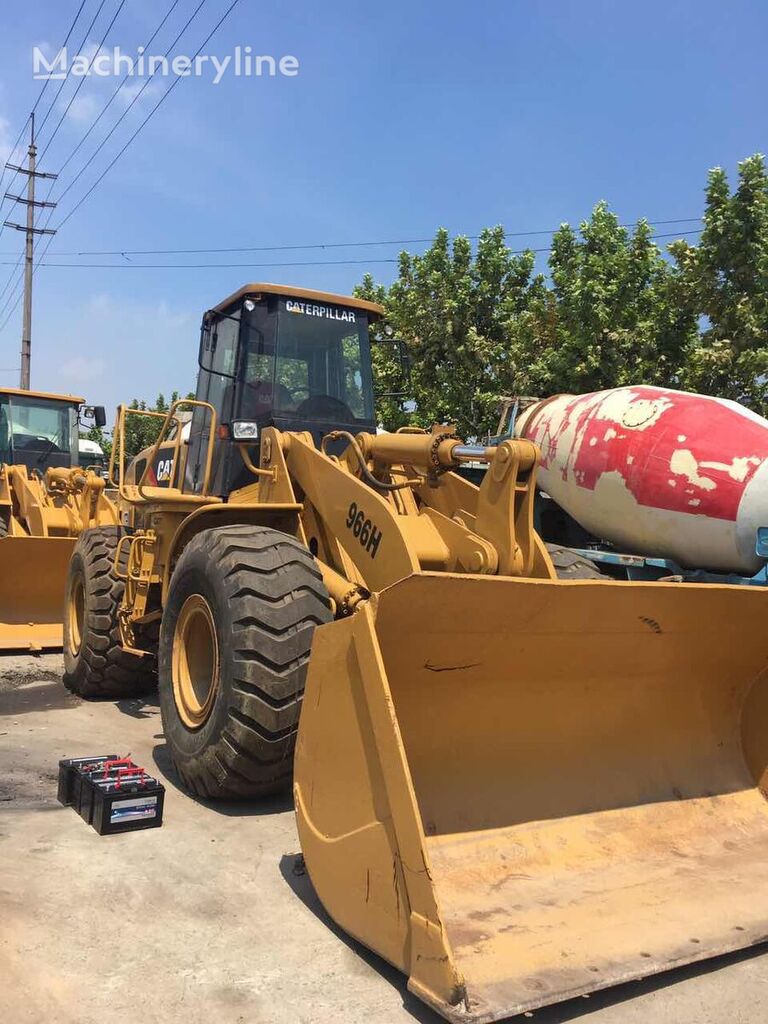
x: 570, y: 566
x: 95, y: 664
x: 237, y: 628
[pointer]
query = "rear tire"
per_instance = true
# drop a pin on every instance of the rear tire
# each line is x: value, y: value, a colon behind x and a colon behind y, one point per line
x: 242, y: 607
x: 95, y: 664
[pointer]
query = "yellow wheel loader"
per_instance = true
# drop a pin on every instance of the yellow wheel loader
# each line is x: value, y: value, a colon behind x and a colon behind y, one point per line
x: 515, y: 788
x: 44, y: 505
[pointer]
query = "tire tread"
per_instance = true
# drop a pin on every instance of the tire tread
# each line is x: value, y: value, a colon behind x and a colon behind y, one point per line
x: 276, y: 596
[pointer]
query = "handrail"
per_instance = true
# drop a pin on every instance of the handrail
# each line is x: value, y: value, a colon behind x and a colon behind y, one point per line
x: 117, y: 456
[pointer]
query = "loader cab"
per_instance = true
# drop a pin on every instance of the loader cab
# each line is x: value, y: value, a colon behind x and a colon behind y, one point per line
x: 38, y: 430
x: 276, y: 356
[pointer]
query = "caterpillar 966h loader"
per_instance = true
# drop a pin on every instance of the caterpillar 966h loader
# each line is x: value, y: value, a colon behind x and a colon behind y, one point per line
x: 513, y: 787
x: 43, y: 507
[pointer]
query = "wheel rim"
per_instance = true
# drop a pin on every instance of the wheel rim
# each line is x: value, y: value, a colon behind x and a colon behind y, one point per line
x: 76, y: 614
x: 195, y: 662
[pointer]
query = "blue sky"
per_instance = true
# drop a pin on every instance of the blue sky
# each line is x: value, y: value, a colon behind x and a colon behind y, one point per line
x: 404, y: 116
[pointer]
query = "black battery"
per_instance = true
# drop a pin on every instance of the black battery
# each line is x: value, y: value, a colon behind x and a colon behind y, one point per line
x: 68, y: 768
x: 125, y: 803
x: 82, y: 790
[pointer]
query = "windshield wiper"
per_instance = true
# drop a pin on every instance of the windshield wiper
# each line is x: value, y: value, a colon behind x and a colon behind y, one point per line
x: 47, y: 451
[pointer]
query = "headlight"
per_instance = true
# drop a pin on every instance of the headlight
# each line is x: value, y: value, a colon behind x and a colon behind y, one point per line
x: 245, y: 430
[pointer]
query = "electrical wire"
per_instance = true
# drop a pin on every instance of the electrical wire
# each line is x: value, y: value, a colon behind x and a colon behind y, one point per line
x: 37, y: 103
x: 66, y: 76
x: 63, y: 46
x: 114, y: 95
x: 162, y: 99
x: 10, y: 159
x: 34, y: 108
x: 11, y: 276
x: 231, y: 266
x: 303, y: 263
x: 123, y: 116
x: 81, y: 83
x: 329, y: 245
x: 19, y: 295
x: 104, y: 110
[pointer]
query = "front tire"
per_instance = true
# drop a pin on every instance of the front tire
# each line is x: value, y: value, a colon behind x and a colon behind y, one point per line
x: 95, y: 664
x: 237, y: 629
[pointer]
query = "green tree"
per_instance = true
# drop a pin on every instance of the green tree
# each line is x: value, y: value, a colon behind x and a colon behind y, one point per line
x: 724, y: 279
x: 611, y: 316
x: 390, y: 377
x: 615, y: 310
x: 452, y: 308
x: 142, y: 431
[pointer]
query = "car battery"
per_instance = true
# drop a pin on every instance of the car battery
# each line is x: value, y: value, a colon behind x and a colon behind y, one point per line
x: 68, y: 769
x: 125, y: 802
x: 82, y: 790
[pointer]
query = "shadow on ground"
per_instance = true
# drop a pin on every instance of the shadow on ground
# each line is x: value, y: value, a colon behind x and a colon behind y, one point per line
x: 36, y: 696
x: 294, y: 873
x: 147, y: 706
x: 278, y: 804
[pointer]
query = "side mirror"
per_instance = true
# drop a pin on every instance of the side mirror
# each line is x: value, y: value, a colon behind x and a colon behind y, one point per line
x: 95, y: 413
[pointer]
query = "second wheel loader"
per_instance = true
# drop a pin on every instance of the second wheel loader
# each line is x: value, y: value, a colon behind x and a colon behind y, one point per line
x: 515, y: 788
x: 44, y: 505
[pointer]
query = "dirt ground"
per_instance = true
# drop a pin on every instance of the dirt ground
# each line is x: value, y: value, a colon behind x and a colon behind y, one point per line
x: 207, y: 919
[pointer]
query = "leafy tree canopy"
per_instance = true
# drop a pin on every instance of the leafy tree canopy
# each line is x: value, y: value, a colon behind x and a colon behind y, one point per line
x: 614, y: 309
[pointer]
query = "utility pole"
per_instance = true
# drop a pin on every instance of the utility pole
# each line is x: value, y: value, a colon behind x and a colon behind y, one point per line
x: 29, y: 250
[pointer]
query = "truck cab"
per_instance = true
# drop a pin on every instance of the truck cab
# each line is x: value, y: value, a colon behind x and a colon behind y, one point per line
x: 272, y: 355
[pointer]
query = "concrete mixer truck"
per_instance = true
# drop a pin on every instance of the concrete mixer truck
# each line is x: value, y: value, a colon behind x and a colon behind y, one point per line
x: 649, y: 482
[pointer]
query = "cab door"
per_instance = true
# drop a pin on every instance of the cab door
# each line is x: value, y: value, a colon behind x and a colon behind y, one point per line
x: 219, y: 345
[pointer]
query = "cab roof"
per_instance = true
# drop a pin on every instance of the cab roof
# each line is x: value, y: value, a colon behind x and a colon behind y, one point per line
x: 64, y: 399
x: 251, y: 290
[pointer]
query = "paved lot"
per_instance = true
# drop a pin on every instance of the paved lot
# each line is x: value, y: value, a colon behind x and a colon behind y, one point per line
x: 205, y: 920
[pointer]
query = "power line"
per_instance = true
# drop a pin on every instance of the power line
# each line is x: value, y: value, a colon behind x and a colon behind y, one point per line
x: 34, y: 108
x: 231, y: 266
x: 66, y: 75
x: 10, y: 276
x: 125, y: 112
x: 337, y: 245
x: 149, y: 116
x: 81, y: 83
x: 40, y: 94
x: 114, y: 95
x: 302, y: 263
x: 31, y: 232
x: 10, y: 157
x: 123, y: 116
x: 162, y: 99
x: 63, y: 45
x: 19, y: 295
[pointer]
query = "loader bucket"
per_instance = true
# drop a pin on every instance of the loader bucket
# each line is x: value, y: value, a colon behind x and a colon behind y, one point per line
x: 33, y: 571
x: 520, y: 791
